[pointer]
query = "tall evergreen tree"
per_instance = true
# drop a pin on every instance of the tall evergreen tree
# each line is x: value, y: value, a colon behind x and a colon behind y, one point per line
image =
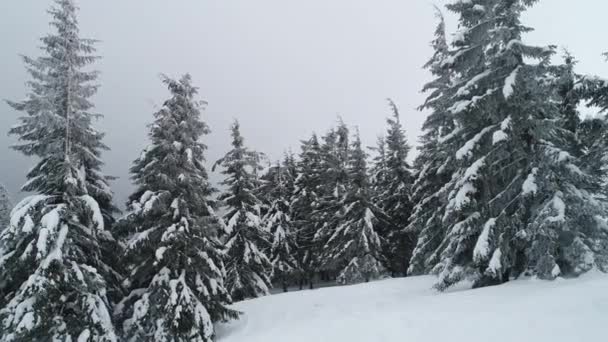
x: 355, y: 246
x: 335, y: 153
x: 173, y: 255
x: 592, y: 131
x: 394, y: 196
x: 248, y: 268
x: 305, y: 200
x: 435, y: 162
x: 278, y: 222
x: 5, y: 207
x: 54, y: 281
x: 515, y: 201
x: 265, y: 190
x: 65, y: 61
x: 588, y: 140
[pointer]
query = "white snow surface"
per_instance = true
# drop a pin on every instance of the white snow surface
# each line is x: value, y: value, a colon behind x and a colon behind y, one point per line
x: 407, y: 309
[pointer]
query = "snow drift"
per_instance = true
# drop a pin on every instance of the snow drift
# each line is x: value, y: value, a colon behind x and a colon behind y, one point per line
x: 409, y: 310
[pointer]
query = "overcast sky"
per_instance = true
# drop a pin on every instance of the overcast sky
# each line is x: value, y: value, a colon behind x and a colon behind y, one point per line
x: 283, y: 68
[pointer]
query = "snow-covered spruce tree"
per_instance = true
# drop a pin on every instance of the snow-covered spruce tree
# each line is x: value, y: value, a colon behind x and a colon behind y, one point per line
x: 53, y: 285
x: 173, y: 256
x: 65, y: 61
x: 54, y: 281
x: 392, y: 194
x: 305, y: 199
x: 5, y: 207
x: 278, y: 222
x: 518, y: 201
x: 290, y: 168
x: 572, y: 237
x: 435, y: 162
x: 248, y: 268
x: 61, y: 75
x: 267, y: 181
x: 588, y: 139
x: 355, y: 247
x: 591, y: 131
x: 379, y: 182
x: 335, y: 153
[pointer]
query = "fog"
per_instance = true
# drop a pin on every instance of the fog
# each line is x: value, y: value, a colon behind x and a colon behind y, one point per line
x: 283, y: 68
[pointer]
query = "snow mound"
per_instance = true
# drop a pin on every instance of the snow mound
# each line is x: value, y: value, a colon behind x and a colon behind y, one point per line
x: 409, y: 310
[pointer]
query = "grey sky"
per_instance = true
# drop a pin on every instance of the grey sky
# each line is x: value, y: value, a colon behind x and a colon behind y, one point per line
x: 283, y: 68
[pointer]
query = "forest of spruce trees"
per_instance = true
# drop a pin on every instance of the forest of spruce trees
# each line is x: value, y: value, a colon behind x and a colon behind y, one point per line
x: 508, y: 181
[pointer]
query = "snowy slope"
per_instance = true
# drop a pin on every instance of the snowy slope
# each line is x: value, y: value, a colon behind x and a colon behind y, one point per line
x: 408, y: 310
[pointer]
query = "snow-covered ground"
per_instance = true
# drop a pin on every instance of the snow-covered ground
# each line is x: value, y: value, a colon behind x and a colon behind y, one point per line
x: 409, y: 310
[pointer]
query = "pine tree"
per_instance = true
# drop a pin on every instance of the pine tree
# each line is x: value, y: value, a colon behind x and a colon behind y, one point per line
x: 66, y: 57
x: 591, y: 131
x: 278, y: 222
x: 305, y: 200
x: 335, y: 153
x: 518, y: 201
x: 435, y: 164
x: 54, y: 281
x: 248, y: 268
x: 492, y: 154
x: 579, y: 178
x: 355, y: 246
x: 173, y: 255
x: 5, y: 208
x: 393, y: 195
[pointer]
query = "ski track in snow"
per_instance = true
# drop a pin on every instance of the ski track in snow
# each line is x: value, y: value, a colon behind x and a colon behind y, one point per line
x: 408, y: 309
